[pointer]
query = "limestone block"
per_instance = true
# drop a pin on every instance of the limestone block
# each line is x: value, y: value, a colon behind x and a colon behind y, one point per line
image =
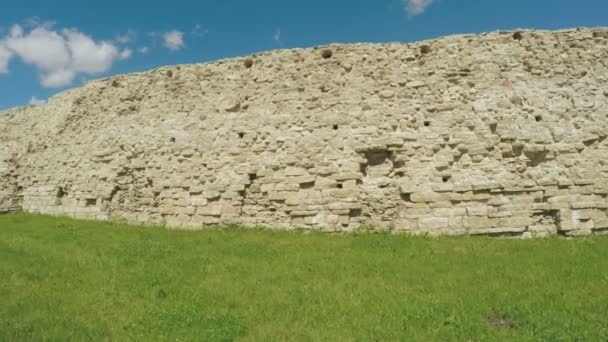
x: 432, y: 223
x: 477, y: 211
x: 210, y: 210
x: 479, y: 222
x: 427, y: 197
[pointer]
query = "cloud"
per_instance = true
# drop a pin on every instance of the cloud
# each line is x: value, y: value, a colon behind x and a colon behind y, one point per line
x: 126, y: 38
x: 36, y: 102
x: 60, y: 55
x: 174, y: 40
x: 277, y: 36
x: 126, y: 53
x: 5, y: 57
x: 143, y: 50
x: 416, y: 7
x: 87, y: 55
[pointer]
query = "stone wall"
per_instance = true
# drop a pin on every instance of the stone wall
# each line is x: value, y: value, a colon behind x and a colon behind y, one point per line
x: 9, y: 191
x: 501, y: 134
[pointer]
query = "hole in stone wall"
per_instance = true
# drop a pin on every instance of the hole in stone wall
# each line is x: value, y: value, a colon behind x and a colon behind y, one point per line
x: 253, y: 177
x: 340, y: 185
x: 493, y: 127
x: 335, y: 127
x: 327, y: 53
x: 377, y: 157
x: 538, y: 118
x: 548, y: 218
x: 241, y: 135
x: 90, y: 202
x: 169, y: 73
x: 355, y: 213
x: 406, y: 197
x: 589, y: 142
x: 308, y: 185
x: 427, y: 123
x: 172, y: 139
x: 248, y: 63
x: 518, y: 36
x: 59, y: 196
x: 363, y: 169
x: 446, y: 179
x: 115, y: 84
x: 536, y: 158
x: 518, y: 149
x: 425, y: 49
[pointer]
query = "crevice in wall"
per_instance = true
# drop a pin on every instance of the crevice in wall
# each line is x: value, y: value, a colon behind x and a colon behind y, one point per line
x: 536, y: 158
x: 518, y: 149
x: 355, y: 213
x: 113, y: 193
x: 493, y: 127
x: 308, y: 185
x: 60, y: 195
x: 363, y: 169
x: 549, y: 218
x: 503, y: 234
x: 377, y: 157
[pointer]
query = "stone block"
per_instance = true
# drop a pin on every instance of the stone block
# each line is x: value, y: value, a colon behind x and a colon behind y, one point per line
x: 432, y: 223
x: 427, y: 197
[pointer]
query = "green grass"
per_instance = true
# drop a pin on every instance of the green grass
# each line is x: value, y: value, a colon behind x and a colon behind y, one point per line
x: 62, y: 279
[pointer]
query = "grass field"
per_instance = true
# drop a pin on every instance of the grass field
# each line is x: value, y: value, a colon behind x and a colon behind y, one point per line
x: 62, y: 279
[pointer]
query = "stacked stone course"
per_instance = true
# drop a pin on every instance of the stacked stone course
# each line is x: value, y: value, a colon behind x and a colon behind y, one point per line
x: 502, y: 133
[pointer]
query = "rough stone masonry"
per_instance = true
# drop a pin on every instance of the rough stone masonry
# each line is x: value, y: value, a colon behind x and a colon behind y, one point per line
x: 502, y: 133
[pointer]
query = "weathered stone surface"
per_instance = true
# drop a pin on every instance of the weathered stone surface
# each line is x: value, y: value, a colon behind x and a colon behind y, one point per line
x: 477, y: 135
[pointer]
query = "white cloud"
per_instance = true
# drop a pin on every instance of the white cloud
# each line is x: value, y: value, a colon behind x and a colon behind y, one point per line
x: 416, y: 7
x: 5, y: 56
x: 87, y: 55
x: 174, y: 40
x: 277, y: 36
x: 60, y: 56
x: 43, y: 48
x: 143, y: 50
x: 57, y: 78
x: 128, y: 37
x: 126, y: 53
x: 36, y: 102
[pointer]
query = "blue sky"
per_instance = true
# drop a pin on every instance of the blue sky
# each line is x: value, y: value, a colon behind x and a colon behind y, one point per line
x: 48, y: 46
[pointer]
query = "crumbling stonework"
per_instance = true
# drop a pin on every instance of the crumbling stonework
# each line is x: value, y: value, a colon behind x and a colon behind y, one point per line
x: 501, y: 134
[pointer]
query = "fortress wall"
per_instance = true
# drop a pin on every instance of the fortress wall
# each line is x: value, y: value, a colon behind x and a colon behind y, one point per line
x: 498, y: 134
x: 9, y: 194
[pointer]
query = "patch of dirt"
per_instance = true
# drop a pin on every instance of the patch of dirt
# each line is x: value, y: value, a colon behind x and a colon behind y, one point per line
x: 500, y: 320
